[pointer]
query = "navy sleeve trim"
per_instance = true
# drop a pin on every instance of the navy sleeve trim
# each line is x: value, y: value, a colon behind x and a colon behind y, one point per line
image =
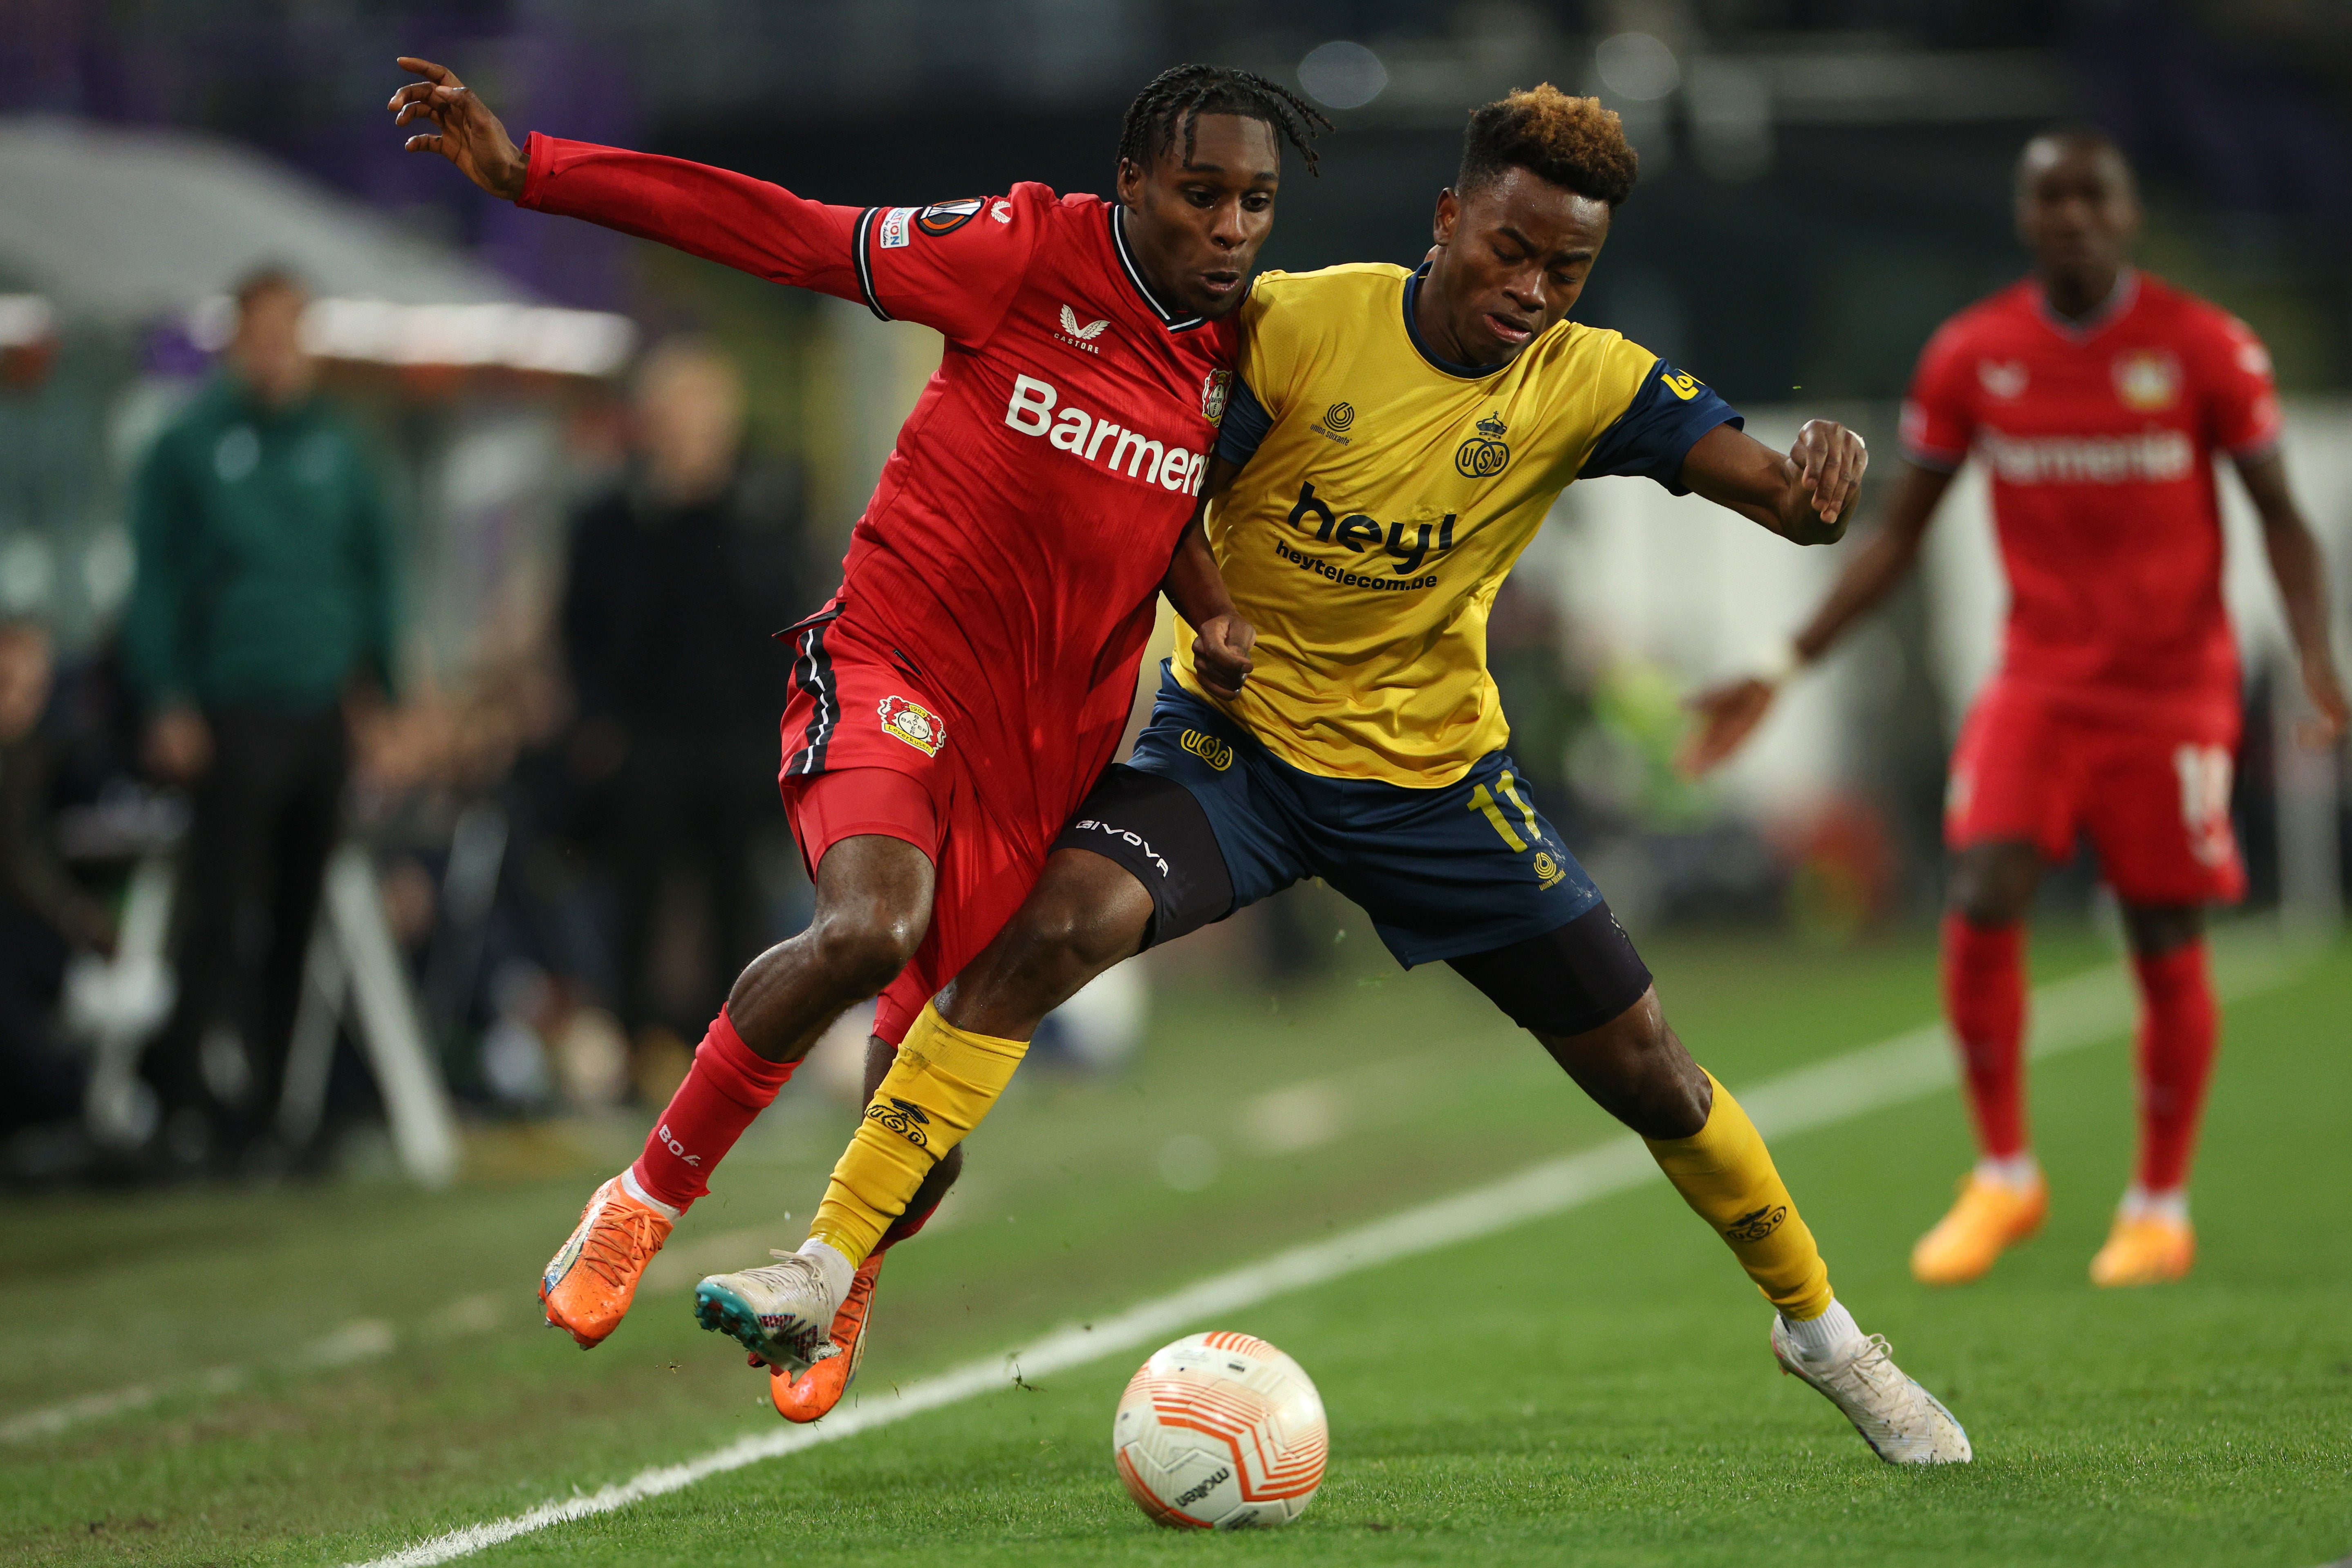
x: 1669, y: 413
x: 1245, y: 425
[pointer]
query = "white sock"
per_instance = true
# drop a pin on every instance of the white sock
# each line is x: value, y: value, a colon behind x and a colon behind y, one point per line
x: 2018, y: 1173
x: 629, y: 1186
x: 838, y: 1270
x: 1832, y: 1336
x: 2140, y: 1204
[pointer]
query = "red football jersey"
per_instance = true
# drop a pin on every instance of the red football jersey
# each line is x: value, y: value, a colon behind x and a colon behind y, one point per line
x: 1024, y: 520
x: 2099, y: 437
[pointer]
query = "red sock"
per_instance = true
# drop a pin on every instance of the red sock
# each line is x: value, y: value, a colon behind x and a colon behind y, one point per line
x: 2176, y: 1034
x: 1984, y: 997
x: 727, y: 1087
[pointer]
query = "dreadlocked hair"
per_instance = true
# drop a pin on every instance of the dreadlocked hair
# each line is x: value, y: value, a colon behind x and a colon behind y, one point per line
x: 1569, y: 142
x: 1180, y: 95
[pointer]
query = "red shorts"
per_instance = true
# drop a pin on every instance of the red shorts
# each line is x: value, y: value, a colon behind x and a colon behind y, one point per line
x: 2152, y: 793
x: 866, y: 750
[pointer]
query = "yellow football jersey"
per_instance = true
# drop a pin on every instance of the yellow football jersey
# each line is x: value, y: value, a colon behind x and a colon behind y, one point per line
x: 1385, y: 495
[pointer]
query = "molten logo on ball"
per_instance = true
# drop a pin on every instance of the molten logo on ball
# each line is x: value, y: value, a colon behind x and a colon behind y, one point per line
x: 1220, y: 1431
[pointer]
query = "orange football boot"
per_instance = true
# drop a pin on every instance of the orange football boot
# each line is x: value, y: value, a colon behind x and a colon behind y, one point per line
x: 819, y: 1389
x: 1989, y: 1219
x: 593, y: 1277
x: 2147, y: 1250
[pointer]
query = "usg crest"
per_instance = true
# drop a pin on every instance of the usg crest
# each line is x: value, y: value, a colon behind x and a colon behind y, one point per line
x: 903, y: 1117
x: 1483, y: 456
x: 1208, y: 748
x: 913, y: 723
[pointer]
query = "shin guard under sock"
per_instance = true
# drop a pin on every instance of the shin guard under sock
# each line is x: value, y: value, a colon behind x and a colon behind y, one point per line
x: 724, y: 1092
x: 936, y: 1092
x: 1984, y: 998
x: 1725, y: 1174
x: 2176, y: 1032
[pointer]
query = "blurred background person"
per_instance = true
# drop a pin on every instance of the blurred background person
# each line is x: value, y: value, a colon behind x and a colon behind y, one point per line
x: 45, y: 915
x: 677, y: 577
x: 264, y: 603
x: 2100, y: 397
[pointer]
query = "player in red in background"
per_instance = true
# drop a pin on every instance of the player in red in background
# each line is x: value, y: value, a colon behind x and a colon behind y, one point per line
x: 956, y: 698
x: 2098, y: 398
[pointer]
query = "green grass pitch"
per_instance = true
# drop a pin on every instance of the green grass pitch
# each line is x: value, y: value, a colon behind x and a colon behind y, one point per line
x: 321, y: 1376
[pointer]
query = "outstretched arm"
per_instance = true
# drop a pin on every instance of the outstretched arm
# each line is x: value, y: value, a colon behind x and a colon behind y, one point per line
x: 1729, y: 713
x: 729, y: 218
x: 2303, y: 585
x: 1805, y: 495
x: 1220, y: 648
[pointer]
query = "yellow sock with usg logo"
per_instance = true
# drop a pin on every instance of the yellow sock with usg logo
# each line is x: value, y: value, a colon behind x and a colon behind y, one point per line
x: 936, y: 1092
x: 1724, y: 1174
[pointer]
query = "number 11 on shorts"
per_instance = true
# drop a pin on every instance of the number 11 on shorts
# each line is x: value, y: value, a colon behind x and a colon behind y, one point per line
x: 1480, y: 800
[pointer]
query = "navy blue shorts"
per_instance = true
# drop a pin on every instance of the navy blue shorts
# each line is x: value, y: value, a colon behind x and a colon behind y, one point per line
x: 1444, y: 873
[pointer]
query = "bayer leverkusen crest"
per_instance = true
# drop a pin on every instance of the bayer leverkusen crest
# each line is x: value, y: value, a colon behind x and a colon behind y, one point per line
x: 913, y: 723
x: 1214, y: 388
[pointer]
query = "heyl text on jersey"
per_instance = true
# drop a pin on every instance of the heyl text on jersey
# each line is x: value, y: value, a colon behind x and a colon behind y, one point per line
x: 1357, y: 531
x: 1092, y: 438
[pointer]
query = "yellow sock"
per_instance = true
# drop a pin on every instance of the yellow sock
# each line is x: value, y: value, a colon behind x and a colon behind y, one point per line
x: 936, y: 1092
x: 1724, y: 1174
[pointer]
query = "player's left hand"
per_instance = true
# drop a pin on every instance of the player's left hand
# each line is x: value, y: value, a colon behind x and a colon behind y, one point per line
x: 464, y: 130
x: 2326, y: 691
x: 1221, y: 655
x: 1727, y: 714
x: 1830, y: 461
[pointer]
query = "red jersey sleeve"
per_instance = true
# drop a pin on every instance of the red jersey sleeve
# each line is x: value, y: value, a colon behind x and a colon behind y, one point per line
x: 731, y: 218
x: 951, y: 265
x: 954, y: 265
x: 1938, y: 416
x: 2233, y: 382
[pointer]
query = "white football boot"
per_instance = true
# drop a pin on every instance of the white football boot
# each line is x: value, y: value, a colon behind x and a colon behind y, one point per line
x: 782, y: 1313
x: 1902, y: 1422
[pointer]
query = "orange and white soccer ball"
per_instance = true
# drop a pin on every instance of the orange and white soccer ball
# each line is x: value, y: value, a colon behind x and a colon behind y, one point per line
x: 1220, y: 1431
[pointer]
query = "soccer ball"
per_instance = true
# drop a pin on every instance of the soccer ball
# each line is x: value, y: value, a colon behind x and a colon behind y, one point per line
x: 1220, y: 1431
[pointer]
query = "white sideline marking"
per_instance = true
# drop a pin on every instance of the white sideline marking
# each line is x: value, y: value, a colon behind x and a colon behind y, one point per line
x: 56, y: 1418
x: 363, y: 1338
x: 2070, y: 1014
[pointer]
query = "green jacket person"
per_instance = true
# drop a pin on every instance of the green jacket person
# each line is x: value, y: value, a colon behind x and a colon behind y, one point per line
x: 264, y: 592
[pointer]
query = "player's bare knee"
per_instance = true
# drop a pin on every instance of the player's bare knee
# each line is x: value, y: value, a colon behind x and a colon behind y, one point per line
x: 1074, y: 926
x: 1993, y: 884
x: 1666, y: 1093
x: 1984, y: 906
x: 1635, y: 1069
x: 2155, y: 930
x: 862, y: 947
x: 1088, y: 936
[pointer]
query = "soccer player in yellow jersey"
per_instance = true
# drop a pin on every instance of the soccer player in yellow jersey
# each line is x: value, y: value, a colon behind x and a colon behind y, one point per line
x: 1391, y: 440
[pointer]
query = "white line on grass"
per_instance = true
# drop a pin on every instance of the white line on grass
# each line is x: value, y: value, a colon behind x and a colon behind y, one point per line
x: 363, y: 1338
x: 2068, y: 1015
x: 54, y: 1418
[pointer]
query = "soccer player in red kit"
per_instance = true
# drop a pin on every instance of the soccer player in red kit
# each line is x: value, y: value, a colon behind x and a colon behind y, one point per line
x: 954, y: 701
x: 2097, y: 397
